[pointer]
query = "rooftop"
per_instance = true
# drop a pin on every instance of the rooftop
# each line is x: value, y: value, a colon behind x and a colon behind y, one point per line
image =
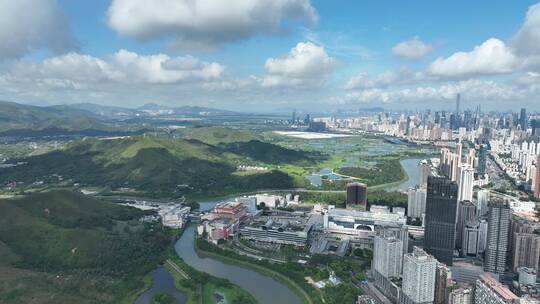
x: 498, y: 287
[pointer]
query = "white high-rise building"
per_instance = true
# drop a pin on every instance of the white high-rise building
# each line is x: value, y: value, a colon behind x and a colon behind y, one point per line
x: 419, y: 269
x: 482, y: 205
x: 416, y: 204
x: 387, y: 256
x: 466, y: 183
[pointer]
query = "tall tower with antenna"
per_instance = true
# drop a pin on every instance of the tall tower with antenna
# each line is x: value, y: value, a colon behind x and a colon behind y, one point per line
x: 458, y: 100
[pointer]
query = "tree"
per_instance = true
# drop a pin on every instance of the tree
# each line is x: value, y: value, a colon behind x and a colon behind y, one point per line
x: 163, y: 298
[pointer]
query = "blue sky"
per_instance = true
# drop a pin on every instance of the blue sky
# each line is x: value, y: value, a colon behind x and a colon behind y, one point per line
x: 287, y: 54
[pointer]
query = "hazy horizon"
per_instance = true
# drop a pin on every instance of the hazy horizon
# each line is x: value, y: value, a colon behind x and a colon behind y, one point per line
x: 295, y: 54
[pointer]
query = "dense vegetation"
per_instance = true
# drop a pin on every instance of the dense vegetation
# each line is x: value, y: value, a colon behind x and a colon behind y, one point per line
x: 216, y: 135
x: 63, y: 247
x: 158, y: 167
x: 267, y: 153
x: 386, y: 170
x: 378, y: 197
x: 163, y: 298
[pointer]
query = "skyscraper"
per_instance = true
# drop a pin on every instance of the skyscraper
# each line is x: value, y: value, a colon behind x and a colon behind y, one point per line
x: 387, y: 256
x: 497, y: 243
x: 482, y: 160
x: 443, y: 280
x: 416, y: 203
x: 425, y: 171
x: 526, y: 251
x: 466, y: 183
x: 523, y: 119
x: 482, y: 204
x: 466, y: 214
x: 440, y: 226
x: 537, y: 178
x: 458, y: 101
x: 357, y: 195
x: 470, y: 239
x: 535, y: 124
x: 419, y: 271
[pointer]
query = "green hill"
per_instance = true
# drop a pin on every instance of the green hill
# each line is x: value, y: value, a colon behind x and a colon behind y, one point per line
x: 14, y: 116
x: 159, y: 167
x: 217, y: 135
x: 267, y: 153
x: 64, y: 247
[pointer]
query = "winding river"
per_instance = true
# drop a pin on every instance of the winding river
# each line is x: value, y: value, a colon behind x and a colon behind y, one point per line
x: 265, y: 289
x: 413, y: 172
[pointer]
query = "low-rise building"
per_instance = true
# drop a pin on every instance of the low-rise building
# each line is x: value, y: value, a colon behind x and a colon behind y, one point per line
x: 233, y: 210
x: 461, y: 296
x: 277, y: 231
x: 217, y: 229
x: 174, y: 216
x: 354, y: 222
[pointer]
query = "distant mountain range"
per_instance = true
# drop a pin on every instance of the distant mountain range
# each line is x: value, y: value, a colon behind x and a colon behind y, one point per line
x: 155, y: 108
x: 20, y: 117
x: 149, y: 109
x: 85, y: 116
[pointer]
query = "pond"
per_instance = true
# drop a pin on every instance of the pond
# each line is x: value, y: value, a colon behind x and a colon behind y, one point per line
x: 162, y: 281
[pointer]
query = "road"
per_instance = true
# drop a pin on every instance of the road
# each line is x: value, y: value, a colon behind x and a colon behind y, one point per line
x: 177, y: 269
x: 373, y: 292
x: 252, y: 253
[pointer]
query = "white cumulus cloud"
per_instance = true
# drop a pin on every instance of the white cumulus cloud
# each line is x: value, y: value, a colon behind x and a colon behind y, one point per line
x: 490, y: 58
x: 206, y: 23
x: 32, y: 24
x: 123, y: 67
x: 475, y: 91
x: 527, y: 39
x: 412, y: 49
x: 306, y: 64
x: 386, y: 79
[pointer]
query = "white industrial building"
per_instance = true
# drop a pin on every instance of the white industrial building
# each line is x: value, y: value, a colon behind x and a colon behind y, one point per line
x: 360, y: 223
x: 174, y: 216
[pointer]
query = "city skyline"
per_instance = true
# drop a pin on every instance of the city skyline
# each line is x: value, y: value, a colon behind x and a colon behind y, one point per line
x: 275, y: 151
x: 346, y: 55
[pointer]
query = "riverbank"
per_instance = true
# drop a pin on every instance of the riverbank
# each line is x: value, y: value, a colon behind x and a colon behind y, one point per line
x: 298, y: 276
x: 298, y: 290
x: 396, y: 183
x: 200, y: 287
x: 132, y: 296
